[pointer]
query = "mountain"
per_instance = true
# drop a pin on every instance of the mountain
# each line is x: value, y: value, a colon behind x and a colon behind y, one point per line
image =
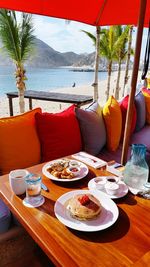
x: 44, y: 56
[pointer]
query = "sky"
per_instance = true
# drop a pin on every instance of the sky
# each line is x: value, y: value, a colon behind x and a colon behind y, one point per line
x: 65, y: 37
x: 62, y: 36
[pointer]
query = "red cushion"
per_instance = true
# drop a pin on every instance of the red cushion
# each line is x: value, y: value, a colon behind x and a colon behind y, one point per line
x: 124, y: 106
x: 59, y: 134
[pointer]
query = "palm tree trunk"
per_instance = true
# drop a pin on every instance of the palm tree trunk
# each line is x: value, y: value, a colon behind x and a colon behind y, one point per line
x: 21, y: 101
x: 108, y: 81
x: 95, y: 84
x: 20, y: 77
x: 118, y: 80
x: 128, y: 59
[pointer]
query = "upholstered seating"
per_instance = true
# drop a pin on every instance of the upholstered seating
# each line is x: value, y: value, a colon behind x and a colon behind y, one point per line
x: 5, y: 217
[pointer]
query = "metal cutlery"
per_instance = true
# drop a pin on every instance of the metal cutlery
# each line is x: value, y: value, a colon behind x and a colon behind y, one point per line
x: 44, y: 187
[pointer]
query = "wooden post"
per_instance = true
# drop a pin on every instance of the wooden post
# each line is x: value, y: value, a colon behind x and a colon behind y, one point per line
x: 133, y: 81
x: 10, y: 105
x: 95, y: 84
x: 30, y: 103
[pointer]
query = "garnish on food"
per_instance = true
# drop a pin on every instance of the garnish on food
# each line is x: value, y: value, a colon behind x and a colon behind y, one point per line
x: 84, y: 200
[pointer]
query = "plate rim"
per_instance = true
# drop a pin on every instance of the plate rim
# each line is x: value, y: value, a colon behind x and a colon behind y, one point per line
x: 77, y: 227
x: 110, y: 196
x: 64, y: 180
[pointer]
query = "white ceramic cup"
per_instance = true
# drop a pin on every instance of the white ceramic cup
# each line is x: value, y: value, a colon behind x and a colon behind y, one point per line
x: 111, y: 188
x: 17, y: 181
x: 99, y: 182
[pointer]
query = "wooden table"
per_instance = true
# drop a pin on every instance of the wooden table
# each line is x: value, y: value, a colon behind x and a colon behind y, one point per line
x: 126, y: 243
x: 78, y: 100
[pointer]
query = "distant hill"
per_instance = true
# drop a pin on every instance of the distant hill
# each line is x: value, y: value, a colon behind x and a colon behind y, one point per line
x: 45, y: 56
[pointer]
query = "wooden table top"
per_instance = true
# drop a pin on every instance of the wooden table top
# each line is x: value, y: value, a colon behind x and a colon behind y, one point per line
x: 125, y: 243
x: 54, y: 96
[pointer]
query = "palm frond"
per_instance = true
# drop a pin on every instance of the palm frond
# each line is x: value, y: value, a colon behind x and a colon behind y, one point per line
x: 93, y: 38
x: 9, y: 33
x: 27, y: 38
x: 120, y: 45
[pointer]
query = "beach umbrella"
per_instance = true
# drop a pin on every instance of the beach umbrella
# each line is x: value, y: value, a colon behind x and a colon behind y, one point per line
x: 96, y: 13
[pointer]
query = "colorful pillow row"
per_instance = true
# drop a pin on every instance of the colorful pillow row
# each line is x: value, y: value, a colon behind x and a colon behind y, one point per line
x: 32, y: 137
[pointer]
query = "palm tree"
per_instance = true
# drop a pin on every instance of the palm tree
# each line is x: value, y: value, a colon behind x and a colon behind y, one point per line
x: 96, y: 41
x: 121, y: 51
x: 18, y: 40
x: 108, y: 50
x: 128, y: 57
x: 97, y: 58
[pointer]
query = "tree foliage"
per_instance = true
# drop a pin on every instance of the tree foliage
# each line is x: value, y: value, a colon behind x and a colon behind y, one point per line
x: 112, y: 46
x: 18, y: 40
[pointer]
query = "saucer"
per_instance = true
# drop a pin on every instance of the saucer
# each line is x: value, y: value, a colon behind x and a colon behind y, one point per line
x: 122, y: 191
x: 33, y: 205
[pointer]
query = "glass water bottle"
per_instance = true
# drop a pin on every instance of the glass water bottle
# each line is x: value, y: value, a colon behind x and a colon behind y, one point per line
x: 136, y: 170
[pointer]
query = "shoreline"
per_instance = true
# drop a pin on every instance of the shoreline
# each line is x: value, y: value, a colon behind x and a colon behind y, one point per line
x: 48, y: 106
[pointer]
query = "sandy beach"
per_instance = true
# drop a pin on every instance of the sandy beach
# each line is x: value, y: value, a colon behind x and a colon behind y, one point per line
x: 55, y: 107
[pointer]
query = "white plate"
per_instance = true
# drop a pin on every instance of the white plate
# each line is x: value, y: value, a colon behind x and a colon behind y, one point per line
x: 84, y: 171
x: 122, y: 191
x: 107, y: 217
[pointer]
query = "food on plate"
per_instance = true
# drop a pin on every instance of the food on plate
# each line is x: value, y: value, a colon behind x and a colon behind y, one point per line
x: 84, y: 206
x: 60, y: 169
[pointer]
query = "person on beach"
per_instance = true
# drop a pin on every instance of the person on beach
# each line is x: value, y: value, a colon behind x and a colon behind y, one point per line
x: 74, y: 84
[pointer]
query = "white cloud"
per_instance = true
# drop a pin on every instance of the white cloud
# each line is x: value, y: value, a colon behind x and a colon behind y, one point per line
x: 64, y: 37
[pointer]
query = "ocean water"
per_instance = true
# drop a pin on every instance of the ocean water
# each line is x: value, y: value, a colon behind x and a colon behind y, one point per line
x: 46, y: 79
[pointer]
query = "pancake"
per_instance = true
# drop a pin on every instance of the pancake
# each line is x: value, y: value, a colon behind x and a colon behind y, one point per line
x: 84, y: 207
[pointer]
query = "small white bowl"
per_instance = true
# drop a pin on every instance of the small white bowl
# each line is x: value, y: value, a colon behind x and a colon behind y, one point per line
x: 74, y: 170
x: 111, y: 188
x: 99, y: 182
x: 74, y: 163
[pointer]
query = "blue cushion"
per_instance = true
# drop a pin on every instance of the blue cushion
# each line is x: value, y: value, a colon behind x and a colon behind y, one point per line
x: 5, y: 217
x: 141, y: 111
x: 92, y: 128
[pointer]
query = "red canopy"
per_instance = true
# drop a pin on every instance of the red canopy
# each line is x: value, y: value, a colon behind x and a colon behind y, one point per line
x: 94, y: 12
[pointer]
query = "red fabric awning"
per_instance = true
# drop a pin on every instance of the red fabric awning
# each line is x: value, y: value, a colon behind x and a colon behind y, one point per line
x: 94, y: 12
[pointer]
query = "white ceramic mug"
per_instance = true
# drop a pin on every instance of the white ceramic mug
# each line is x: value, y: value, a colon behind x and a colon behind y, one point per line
x: 17, y: 181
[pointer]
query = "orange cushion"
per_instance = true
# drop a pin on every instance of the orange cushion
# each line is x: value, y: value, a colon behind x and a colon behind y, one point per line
x: 146, y: 94
x: 113, y: 122
x: 19, y: 143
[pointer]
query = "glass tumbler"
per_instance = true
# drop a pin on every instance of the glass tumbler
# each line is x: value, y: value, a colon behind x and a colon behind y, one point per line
x: 33, y: 191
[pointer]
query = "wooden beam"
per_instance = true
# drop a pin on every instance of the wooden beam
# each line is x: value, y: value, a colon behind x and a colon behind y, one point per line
x: 133, y: 80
